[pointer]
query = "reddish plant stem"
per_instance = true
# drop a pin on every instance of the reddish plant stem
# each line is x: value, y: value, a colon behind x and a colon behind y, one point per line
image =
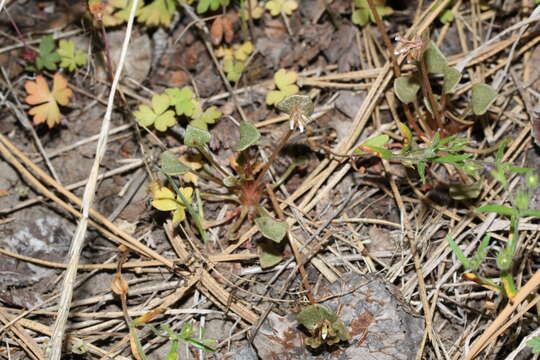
x: 270, y: 161
x: 428, y: 93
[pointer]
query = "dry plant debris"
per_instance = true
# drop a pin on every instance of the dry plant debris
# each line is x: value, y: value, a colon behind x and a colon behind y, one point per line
x: 282, y: 178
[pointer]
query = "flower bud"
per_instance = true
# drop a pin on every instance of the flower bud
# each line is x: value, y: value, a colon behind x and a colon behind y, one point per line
x: 531, y: 180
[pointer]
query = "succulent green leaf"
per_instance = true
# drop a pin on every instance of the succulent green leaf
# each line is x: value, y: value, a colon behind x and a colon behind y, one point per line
x: 272, y: 229
x: 196, y: 137
x: 171, y: 165
x: 312, y: 315
x: 483, y: 96
x: 406, y: 88
x: 436, y: 62
x: 249, y: 135
x: 452, y: 76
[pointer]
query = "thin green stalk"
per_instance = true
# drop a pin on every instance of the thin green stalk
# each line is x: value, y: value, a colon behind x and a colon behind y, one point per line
x: 194, y: 214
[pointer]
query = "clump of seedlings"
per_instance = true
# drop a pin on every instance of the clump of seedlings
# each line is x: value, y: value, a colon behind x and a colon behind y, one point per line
x: 248, y: 187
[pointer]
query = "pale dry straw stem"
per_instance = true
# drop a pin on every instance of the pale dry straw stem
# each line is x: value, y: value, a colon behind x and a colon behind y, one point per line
x: 55, y: 347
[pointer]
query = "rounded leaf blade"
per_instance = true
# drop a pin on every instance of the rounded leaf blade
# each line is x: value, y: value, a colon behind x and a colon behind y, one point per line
x: 272, y: 229
x: 249, y: 135
x: 483, y: 96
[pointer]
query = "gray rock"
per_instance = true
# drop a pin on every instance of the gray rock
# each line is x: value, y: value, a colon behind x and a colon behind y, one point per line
x: 381, y: 325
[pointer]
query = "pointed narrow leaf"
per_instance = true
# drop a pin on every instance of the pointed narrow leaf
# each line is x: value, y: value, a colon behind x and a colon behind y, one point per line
x: 406, y: 88
x: 459, y: 254
x: 436, y: 62
x: 171, y: 165
x: 452, y: 76
x: 531, y: 212
x: 196, y: 137
x: 499, y: 209
x: 272, y: 229
x: 249, y: 135
x: 483, y: 96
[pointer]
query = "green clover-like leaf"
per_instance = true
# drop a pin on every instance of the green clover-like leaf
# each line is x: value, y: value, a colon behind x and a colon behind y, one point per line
x: 204, y: 5
x: 71, y: 58
x: 157, y: 115
x: 285, y: 83
x: 183, y: 100
x: 158, y: 12
x: 48, y: 57
x: 201, y: 119
x: 362, y: 14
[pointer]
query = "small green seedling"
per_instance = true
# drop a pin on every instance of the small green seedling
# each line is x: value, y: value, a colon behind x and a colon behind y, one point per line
x: 70, y: 57
x: 444, y: 151
x: 205, y: 5
x: 158, y: 12
x: 432, y: 61
x: 186, y: 334
x: 519, y: 209
x: 534, y: 343
x: 278, y: 7
x: 362, y: 14
x: 158, y: 114
x: 183, y: 100
x: 323, y: 325
x: 185, y: 104
x: 247, y: 187
x: 285, y: 82
x: 201, y: 119
x: 48, y: 56
x: 235, y: 58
